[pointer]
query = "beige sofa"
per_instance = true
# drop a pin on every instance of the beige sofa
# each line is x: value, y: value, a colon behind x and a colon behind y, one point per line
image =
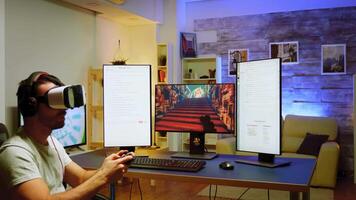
x: 293, y: 132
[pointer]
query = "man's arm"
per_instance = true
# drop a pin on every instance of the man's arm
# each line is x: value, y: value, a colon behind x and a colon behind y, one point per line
x: 75, y: 175
x: 111, y: 170
x: 37, y: 189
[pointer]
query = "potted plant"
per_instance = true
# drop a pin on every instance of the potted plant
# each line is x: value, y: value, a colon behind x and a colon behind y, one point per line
x: 121, y: 61
x: 118, y: 58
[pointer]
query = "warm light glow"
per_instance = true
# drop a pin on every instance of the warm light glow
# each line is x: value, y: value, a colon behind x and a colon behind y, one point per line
x: 118, y: 1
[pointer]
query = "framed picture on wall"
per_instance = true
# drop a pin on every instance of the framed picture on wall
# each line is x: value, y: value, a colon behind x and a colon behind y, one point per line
x: 288, y: 51
x: 188, y: 45
x: 235, y: 56
x: 333, y: 59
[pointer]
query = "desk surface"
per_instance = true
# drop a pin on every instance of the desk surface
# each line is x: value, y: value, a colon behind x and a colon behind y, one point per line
x: 295, y: 177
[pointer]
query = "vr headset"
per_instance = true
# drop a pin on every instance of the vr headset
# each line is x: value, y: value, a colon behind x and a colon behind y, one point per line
x: 64, y: 97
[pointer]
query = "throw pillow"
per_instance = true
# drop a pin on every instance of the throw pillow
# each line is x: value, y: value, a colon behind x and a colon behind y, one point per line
x: 312, y: 143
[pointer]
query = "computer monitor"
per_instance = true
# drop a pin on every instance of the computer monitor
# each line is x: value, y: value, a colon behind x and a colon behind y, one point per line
x: 197, y: 109
x: 259, y: 110
x: 73, y: 133
x: 127, y: 105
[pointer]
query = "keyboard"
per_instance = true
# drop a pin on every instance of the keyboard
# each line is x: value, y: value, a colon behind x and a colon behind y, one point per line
x: 167, y: 164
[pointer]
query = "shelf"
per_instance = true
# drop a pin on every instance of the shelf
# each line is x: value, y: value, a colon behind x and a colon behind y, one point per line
x: 202, y: 59
x: 200, y: 79
x: 198, y: 67
x: 97, y: 112
x: 94, y: 108
x: 163, y: 62
x: 161, y: 138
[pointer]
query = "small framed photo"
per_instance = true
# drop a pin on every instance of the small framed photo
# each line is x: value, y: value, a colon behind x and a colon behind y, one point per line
x: 235, y: 56
x: 188, y: 45
x: 333, y: 59
x: 287, y: 51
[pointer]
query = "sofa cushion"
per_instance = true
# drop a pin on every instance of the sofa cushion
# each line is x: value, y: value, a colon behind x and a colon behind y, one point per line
x: 312, y: 143
x: 295, y: 155
x: 298, y: 126
x: 291, y: 144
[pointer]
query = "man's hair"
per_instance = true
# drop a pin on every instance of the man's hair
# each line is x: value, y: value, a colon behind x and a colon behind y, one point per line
x: 27, y: 91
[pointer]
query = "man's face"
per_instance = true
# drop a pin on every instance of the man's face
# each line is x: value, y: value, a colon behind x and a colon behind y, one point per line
x: 52, y: 118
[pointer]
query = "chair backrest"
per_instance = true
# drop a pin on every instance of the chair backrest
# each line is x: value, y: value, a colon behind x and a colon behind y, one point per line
x: 3, y: 133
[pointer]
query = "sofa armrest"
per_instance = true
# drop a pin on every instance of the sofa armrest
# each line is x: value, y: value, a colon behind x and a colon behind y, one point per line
x: 327, y: 165
x: 226, y: 145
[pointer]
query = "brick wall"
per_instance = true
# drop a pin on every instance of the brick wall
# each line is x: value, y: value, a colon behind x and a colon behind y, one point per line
x: 305, y: 91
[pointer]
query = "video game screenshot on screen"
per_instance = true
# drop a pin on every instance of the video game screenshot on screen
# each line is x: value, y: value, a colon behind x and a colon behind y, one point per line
x: 205, y: 108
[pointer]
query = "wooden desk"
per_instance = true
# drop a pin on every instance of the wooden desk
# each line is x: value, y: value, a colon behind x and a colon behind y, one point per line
x: 294, y: 178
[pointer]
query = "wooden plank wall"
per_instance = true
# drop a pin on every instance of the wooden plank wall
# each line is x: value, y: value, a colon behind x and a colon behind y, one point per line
x: 305, y: 91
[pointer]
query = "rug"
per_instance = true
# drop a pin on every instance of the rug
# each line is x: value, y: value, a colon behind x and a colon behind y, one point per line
x: 261, y: 194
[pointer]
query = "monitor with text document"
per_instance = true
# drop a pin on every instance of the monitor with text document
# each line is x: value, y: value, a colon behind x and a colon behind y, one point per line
x: 127, y: 105
x: 259, y: 110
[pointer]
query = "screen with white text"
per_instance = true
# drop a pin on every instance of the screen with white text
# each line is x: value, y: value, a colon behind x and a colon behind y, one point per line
x: 127, y: 105
x: 258, y: 106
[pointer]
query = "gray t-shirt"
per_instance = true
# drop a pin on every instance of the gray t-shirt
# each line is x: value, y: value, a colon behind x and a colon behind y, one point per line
x: 23, y: 159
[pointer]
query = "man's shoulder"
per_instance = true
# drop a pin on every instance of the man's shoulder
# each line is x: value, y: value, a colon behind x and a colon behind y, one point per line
x: 16, y: 141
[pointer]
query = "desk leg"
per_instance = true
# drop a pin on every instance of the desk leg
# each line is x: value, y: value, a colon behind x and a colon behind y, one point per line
x: 112, y: 191
x: 306, y: 195
x: 293, y: 195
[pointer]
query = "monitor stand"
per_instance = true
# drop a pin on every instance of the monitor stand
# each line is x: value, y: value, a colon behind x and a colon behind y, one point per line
x: 196, y: 148
x: 263, y: 160
x: 71, y: 150
x: 128, y: 148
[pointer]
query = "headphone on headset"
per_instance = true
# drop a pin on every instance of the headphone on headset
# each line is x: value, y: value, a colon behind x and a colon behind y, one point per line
x: 26, y: 93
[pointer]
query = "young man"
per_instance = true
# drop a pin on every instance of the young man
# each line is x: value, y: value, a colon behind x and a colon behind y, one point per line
x: 33, y: 164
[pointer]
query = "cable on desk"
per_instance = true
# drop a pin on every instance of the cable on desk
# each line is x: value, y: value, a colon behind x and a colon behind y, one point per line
x: 268, y: 194
x: 131, y: 190
x: 139, y: 187
x: 243, y: 193
x: 216, y: 191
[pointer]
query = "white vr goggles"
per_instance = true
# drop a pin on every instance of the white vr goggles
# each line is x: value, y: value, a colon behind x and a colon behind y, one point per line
x: 64, y: 97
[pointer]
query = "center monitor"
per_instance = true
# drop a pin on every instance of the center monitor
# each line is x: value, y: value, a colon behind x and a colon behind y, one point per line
x: 197, y: 109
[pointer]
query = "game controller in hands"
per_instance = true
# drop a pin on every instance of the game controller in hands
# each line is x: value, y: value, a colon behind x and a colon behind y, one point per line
x: 128, y: 154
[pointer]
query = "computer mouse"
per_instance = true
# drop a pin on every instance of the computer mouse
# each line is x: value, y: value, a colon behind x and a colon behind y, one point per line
x: 226, y: 165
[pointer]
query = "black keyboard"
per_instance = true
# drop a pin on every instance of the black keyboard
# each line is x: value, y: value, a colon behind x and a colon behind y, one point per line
x: 167, y: 164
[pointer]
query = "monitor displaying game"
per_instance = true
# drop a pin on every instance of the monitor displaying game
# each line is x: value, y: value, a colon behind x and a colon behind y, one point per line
x: 73, y: 133
x: 197, y: 109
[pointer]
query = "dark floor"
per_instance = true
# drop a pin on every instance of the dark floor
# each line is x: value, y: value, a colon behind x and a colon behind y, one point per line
x: 345, y: 189
x: 170, y: 190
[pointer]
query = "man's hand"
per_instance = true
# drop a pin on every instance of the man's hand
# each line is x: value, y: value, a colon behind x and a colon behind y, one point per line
x: 114, y: 166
